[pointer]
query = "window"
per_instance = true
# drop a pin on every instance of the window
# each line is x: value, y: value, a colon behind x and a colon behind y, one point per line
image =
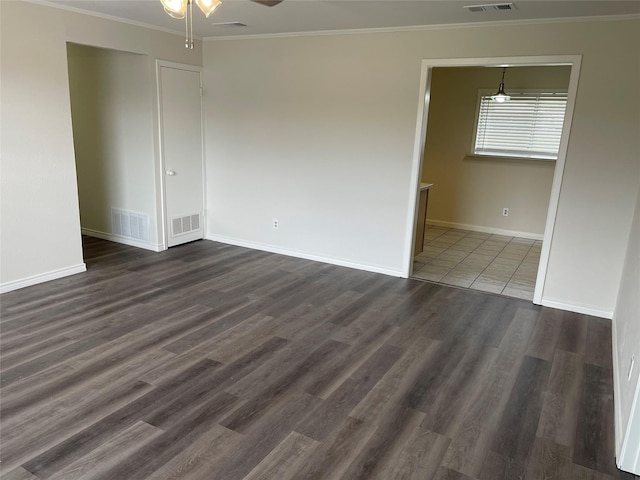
x: 529, y: 125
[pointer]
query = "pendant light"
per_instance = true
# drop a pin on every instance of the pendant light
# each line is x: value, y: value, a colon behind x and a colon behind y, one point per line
x: 500, y: 96
x: 184, y: 9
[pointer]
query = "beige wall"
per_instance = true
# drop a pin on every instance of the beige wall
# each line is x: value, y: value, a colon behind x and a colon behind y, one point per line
x: 310, y: 131
x: 112, y: 108
x: 472, y: 191
x: 40, y: 232
x: 318, y: 131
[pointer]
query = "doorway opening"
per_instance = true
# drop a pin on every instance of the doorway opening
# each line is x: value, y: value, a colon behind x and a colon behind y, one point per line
x: 442, y: 155
x: 113, y: 133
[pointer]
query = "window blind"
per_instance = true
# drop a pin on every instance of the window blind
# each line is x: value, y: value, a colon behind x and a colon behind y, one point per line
x: 529, y: 125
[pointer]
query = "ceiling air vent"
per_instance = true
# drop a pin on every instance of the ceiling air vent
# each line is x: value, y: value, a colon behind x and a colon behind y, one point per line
x: 229, y: 24
x: 491, y: 7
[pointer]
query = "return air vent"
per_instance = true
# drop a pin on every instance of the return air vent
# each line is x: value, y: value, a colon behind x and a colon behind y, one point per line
x: 125, y: 223
x: 491, y: 7
x: 186, y: 224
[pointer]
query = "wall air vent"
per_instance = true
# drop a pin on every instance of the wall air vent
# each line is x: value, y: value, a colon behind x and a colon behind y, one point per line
x: 186, y: 224
x: 491, y: 7
x: 125, y: 223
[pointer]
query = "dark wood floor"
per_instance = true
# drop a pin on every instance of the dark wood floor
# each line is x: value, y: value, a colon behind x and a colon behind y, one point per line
x: 216, y: 362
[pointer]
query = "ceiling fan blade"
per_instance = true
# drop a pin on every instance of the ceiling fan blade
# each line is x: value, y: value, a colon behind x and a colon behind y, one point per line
x: 267, y: 3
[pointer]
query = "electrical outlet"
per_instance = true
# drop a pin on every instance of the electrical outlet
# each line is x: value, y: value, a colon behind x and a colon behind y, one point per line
x: 505, y: 212
x: 275, y: 223
x: 631, y: 364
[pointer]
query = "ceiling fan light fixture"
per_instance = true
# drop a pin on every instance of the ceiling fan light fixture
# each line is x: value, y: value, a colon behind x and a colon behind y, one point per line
x: 175, y: 8
x: 184, y: 9
x: 208, y: 6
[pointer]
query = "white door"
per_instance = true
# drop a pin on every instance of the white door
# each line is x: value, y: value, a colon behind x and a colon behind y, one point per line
x: 181, y: 118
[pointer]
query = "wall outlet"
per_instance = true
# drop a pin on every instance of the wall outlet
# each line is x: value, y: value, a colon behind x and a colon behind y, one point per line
x: 275, y: 223
x: 505, y: 212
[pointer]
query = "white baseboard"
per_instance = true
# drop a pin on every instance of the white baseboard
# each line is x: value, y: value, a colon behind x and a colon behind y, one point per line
x: 305, y: 255
x: 629, y: 458
x: 123, y: 240
x: 481, y: 229
x: 617, y: 419
x: 577, y: 309
x: 627, y: 437
x: 42, y: 277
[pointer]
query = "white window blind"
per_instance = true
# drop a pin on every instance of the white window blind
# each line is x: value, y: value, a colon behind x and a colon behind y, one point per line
x: 529, y: 125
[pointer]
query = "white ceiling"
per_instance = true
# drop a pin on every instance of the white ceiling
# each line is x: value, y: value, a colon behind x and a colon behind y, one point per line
x: 297, y: 16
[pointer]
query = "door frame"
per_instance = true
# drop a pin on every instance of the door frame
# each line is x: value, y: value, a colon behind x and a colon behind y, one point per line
x: 574, y: 61
x: 162, y: 221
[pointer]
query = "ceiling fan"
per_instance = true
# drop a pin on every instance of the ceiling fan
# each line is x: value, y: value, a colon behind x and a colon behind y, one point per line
x: 184, y: 9
x: 178, y: 8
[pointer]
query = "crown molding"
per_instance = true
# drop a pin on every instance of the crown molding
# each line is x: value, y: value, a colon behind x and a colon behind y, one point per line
x: 357, y: 31
x: 419, y: 28
x: 104, y: 16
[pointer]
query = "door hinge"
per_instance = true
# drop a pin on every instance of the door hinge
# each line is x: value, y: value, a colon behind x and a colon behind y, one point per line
x: 201, y: 92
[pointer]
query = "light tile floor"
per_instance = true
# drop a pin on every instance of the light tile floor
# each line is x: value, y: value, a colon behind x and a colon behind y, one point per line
x: 480, y: 261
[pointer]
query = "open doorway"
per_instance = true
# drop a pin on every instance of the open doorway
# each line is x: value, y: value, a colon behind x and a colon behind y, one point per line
x: 531, y: 186
x: 112, y: 114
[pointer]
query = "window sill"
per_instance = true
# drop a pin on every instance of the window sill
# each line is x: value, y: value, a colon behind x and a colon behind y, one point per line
x: 519, y: 158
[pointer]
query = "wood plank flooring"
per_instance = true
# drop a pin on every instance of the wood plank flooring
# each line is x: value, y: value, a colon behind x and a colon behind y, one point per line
x: 210, y: 361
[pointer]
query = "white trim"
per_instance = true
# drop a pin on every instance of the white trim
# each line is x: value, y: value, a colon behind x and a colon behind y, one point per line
x: 419, y: 28
x: 163, y: 188
x: 179, y: 66
x: 576, y: 308
x: 416, y: 170
x: 556, y: 185
x: 354, y: 31
x: 617, y: 408
x: 105, y: 16
x: 123, y: 240
x: 162, y: 220
x: 299, y: 254
x: 629, y: 459
x: 503, y: 156
x: 42, y: 277
x: 519, y: 61
x: 423, y: 106
x: 483, y: 229
x: 626, y: 437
